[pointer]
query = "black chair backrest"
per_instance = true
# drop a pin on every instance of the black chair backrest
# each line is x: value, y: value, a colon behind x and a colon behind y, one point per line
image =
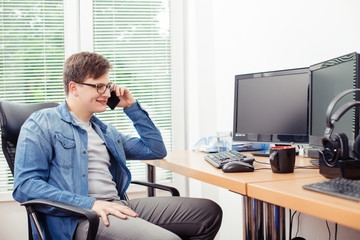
x: 12, y: 117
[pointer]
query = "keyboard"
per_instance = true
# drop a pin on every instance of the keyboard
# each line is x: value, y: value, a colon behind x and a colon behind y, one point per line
x: 219, y: 159
x: 340, y: 187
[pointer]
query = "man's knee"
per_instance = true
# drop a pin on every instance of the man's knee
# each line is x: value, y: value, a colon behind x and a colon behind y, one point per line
x: 213, y: 210
x: 209, y: 207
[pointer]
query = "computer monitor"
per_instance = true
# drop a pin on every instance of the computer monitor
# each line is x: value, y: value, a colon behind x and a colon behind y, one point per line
x: 328, y: 79
x: 272, y: 107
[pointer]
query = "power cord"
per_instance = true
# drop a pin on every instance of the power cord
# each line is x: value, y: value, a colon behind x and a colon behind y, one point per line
x: 336, y: 230
x: 291, y: 217
x: 290, y: 224
x: 327, y: 225
x: 298, y: 224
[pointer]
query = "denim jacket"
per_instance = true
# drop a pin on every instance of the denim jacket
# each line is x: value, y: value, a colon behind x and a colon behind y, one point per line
x: 52, y: 161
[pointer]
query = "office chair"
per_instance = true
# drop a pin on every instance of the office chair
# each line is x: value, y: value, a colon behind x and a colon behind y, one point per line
x: 12, y: 117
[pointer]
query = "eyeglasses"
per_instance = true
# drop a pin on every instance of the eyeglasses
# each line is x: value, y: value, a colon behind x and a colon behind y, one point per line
x: 100, y: 87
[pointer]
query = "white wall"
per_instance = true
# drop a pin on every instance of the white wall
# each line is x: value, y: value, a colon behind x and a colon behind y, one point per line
x: 260, y: 35
x: 228, y: 37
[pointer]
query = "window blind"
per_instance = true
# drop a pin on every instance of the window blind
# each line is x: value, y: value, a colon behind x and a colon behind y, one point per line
x: 135, y: 37
x: 31, y: 57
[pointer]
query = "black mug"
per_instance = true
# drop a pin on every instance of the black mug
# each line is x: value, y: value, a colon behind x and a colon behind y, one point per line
x: 282, y: 159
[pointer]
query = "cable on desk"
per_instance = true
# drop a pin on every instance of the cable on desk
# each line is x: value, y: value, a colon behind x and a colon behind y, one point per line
x: 262, y: 162
x: 306, y: 167
x: 296, y: 167
x: 265, y: 163
x: 262, y: 168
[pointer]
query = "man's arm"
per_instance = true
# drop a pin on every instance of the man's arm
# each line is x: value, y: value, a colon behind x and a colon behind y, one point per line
x: 150, y: 145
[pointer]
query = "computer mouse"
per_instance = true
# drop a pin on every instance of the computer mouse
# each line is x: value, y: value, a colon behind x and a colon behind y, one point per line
x: 238, y: 166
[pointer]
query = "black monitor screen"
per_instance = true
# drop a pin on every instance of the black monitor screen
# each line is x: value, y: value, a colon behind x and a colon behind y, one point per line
x: 272, y: 106
x: 328, y: 79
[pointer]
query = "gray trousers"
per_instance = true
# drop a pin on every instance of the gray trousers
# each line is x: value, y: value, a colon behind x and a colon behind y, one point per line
x: 160, y: 218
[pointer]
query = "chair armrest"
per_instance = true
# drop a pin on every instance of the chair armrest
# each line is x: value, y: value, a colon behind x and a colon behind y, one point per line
x: 34, y: 205
x: 174, y: 192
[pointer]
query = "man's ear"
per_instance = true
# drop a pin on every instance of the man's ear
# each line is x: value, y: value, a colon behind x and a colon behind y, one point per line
x: 73, y: 89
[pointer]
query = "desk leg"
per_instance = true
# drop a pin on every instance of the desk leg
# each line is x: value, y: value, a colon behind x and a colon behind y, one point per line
x: 281, y: 223
x: 268, y: 221
x: 247, y: 218
x: 253, y: 219
x: 151, y: 178
x: 275, y: 222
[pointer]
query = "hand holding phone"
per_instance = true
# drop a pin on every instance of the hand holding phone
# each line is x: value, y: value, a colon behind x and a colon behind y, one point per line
x: 113, y: 100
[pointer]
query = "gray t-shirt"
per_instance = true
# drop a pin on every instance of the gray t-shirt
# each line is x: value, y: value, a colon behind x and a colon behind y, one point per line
x: 101, y: 185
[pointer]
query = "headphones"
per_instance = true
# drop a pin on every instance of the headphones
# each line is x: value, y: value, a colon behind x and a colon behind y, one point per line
x: 337, y: 148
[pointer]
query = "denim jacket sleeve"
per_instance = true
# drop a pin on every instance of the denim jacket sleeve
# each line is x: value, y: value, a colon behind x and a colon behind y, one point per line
x: 34, y: 153
x: 150, y: 145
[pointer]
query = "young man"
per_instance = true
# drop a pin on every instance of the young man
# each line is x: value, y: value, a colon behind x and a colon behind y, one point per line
x: 68, y: 155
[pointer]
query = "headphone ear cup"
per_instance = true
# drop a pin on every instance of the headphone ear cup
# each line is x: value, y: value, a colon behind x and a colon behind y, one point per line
x: 335, y: 149
x: 343, y: 146
x: 331, y: 153
x: 356, y: 147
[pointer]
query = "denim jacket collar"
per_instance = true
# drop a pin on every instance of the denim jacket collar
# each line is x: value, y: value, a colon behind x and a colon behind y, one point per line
x: 66, y: 116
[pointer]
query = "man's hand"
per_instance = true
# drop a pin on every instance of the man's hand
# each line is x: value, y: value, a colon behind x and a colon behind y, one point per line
x: 104, y: 208
x: 126, y: 98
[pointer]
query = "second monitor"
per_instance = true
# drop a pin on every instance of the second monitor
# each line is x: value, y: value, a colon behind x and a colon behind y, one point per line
x: 272, y: 107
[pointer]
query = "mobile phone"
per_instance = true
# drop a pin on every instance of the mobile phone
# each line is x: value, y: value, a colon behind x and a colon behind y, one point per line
x: 113, y: 100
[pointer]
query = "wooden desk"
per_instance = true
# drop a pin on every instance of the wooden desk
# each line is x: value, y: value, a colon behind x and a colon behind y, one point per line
x: 193, y: 165
x: 290, y: 194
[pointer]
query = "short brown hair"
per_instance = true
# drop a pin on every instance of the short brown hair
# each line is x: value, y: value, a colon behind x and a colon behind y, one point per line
x: 84, y: 65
